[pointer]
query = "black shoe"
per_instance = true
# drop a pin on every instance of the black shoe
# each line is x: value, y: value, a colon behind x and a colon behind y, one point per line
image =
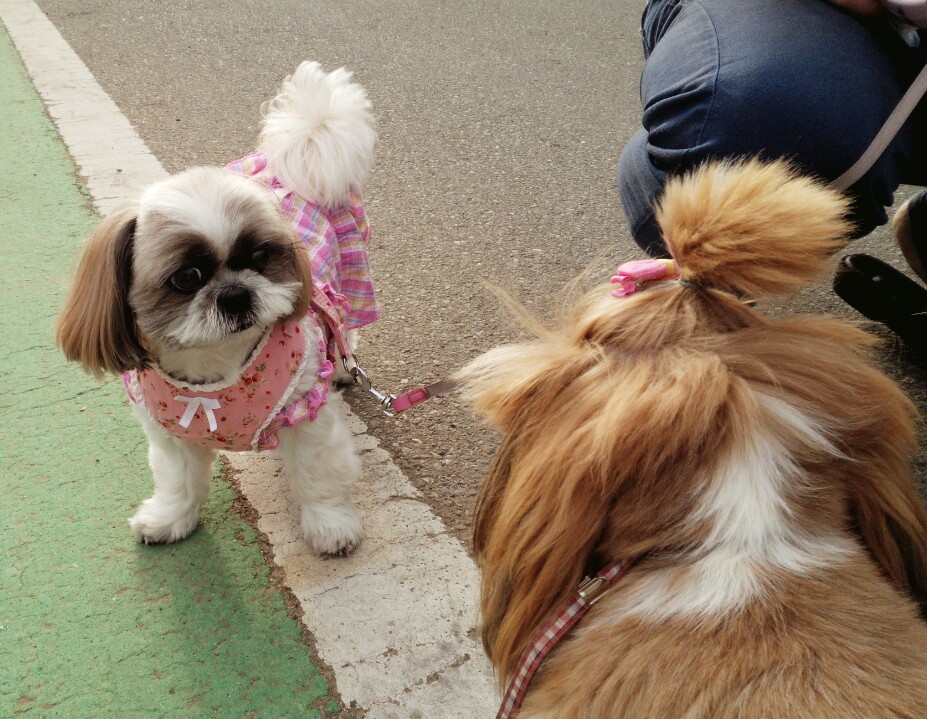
x: 910, y: 225
x: 885, y: 295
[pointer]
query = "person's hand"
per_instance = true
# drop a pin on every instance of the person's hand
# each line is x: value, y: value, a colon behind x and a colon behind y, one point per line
x: 866, y: 8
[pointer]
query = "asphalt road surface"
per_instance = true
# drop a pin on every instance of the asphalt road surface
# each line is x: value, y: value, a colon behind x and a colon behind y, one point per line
x: 500, y: 128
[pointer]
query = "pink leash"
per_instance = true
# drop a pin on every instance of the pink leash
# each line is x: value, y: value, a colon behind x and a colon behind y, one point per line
x: 389, y: 403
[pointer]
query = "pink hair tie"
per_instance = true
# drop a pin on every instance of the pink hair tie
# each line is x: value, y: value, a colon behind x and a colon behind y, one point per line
x: 631, y: 275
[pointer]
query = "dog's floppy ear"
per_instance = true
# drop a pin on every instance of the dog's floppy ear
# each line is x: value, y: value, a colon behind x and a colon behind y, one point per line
x: 96, y: 327
x: 302, y: 270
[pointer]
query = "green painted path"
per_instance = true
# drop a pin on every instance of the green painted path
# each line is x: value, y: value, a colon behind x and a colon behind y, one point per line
x: 93, y: 625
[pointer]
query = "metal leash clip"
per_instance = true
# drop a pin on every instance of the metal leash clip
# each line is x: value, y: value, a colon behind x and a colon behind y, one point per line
x: 592, y: 589
x: 361, y: 378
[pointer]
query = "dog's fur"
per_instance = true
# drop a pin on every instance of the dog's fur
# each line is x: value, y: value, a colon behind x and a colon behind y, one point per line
x: 758, y: 467
x: 123, y: 313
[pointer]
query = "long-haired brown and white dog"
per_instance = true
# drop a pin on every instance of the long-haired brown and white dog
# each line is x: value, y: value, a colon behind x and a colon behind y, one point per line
x: 757, y: 467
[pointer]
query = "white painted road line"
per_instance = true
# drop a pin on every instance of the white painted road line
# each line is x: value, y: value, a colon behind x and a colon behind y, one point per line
x: 108, y: 152
x: 395, y: 621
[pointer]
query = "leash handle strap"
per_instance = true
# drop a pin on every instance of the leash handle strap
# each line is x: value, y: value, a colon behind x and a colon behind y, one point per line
x: 886, y: 134
x: 590, y: 591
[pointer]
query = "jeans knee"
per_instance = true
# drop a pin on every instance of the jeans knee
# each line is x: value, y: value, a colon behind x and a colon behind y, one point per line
x: 639, y: 185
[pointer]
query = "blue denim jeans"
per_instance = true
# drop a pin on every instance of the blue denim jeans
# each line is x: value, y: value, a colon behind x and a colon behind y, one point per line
x: 799, y: 79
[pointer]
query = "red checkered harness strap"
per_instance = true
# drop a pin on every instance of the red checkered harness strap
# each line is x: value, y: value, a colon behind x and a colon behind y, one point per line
x: 589, y: 592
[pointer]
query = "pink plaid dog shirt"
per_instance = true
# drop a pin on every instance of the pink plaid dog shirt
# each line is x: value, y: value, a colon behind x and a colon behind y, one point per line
x: 246, y: 413
x: 337, y: 240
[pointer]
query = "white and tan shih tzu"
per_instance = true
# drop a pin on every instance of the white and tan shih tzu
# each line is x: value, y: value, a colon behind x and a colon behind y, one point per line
x: 223, y: 295
x: 749, y: 475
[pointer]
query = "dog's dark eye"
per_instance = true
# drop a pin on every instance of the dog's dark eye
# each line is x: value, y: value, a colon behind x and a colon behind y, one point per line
x: 188, y: 279
x: 259, y: 258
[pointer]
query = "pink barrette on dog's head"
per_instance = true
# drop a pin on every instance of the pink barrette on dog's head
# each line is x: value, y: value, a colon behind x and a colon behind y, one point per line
x: 631, y: 275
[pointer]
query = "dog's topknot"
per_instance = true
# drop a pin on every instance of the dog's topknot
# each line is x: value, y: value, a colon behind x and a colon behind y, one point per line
x: 755, y: 229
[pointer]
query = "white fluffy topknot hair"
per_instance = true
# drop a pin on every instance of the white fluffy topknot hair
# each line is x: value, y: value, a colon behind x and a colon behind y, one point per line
x: 318, y: 134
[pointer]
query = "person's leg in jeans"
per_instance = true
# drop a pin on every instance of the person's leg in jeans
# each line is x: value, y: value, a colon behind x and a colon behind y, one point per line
x: 791, y: 78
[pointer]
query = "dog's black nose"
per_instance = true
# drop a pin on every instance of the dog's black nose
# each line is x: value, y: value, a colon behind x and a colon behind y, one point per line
x: 234, y: 300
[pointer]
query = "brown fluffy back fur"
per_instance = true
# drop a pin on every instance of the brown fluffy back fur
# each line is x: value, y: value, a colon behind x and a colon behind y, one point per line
x: 608, y: 420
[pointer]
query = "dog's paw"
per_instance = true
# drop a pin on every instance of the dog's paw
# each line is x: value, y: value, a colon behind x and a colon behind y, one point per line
x: 157, y: 523
x: 332, y: 529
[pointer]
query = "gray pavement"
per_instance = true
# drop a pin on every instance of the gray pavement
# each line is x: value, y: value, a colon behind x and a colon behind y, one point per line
x: 500, y: 127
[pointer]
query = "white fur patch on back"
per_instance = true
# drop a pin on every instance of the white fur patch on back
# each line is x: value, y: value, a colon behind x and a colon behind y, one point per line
x: 753, y: 532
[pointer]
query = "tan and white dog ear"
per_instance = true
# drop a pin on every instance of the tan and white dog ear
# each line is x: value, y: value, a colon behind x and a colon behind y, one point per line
x: 96, y: 327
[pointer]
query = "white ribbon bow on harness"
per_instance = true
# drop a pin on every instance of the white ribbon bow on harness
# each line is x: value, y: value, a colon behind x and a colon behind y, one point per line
x: 209, y: 406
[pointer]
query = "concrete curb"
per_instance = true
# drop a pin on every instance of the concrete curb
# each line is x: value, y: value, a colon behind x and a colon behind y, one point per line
x: 394, y: 621
x: 109, y: 154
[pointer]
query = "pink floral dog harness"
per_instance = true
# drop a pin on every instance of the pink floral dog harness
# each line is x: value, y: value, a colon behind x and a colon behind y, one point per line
x: 246, y: 413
